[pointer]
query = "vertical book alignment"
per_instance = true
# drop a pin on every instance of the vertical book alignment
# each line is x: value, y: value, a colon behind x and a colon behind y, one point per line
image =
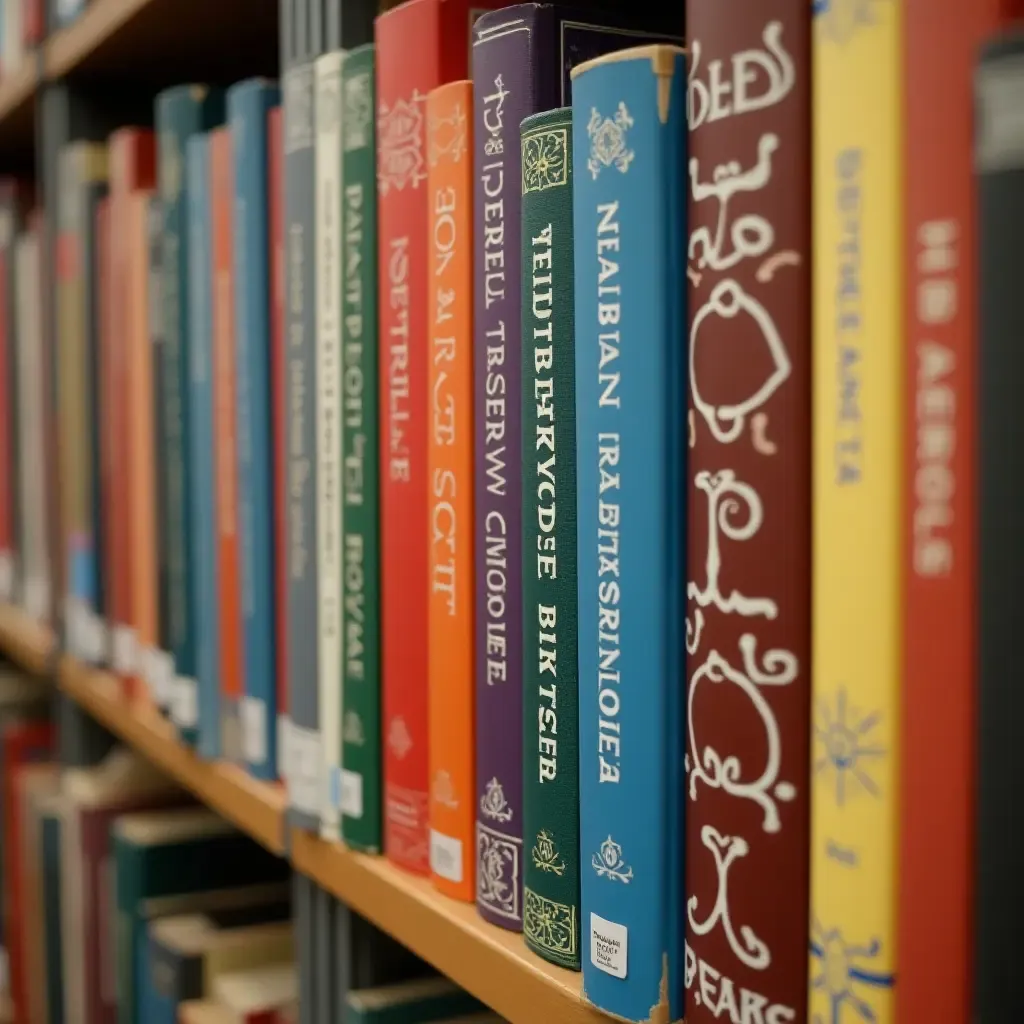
x: 856, y: 577
x: 748, y: 596
x: 449, y: 522
x: 629, y: 118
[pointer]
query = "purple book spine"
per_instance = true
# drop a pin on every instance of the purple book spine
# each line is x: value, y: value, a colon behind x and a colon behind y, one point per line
x: 505, y: 90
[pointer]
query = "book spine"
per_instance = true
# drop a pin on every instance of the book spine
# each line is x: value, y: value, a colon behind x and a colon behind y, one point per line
x: 748, y: 599
x: 180, y: 112
x: 196, y: 709
x: 278, y: 388
x: 629, y: 134
x: 105, y: 482
x: 551, y: 821
x: 248, y: 105
x: 449, y: 520
x: 403, y: 83
x: 141, y: 500
x: 306, y: 760
x: 856, y: 580
x: 999, y: 166
x: 9, y: 396
x: 329, y: 430
x: 231, y: 670
x: 505, y: 94
x: 935, y: 907
x: 361, y: 752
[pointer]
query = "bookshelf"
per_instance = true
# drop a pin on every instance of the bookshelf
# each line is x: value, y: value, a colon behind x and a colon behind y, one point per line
x: 491, y: 963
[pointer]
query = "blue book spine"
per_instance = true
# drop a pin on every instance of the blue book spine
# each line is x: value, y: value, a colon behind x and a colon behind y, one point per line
x: 180, y: 113
x: 203, y: 484
x: 629, y: 128
x: 248, y: 105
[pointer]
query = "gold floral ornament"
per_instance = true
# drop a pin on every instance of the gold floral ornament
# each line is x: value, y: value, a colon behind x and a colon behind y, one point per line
x: 545, y: 854
x: 545, y: 160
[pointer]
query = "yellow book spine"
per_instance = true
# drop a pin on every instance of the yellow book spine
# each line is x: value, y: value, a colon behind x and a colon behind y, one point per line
x: 858, y: 367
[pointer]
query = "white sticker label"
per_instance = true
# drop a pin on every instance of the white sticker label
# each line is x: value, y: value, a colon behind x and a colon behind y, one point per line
x: 6, y: 576
x: 351, y: 794
x: 161, y: 681
x: 608, y: 946
x: 305, y: 770
x: 445, y: 856
x: 185, y: 702
x: 124, y: 654
x: 253, y: 713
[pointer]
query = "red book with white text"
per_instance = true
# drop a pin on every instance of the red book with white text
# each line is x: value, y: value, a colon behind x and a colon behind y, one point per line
x: 421, y: 44
x: 935, y: 935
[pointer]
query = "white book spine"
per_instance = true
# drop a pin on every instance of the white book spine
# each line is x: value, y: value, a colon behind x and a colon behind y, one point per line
x: 329, y: 422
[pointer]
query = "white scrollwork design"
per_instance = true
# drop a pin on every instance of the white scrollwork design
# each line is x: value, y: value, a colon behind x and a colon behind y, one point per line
x: 726, y: 497
x: 609, y: 863
x: 728, y: 300
x: 726, y: 850
x: 694, y: 631
x: 778, y: 668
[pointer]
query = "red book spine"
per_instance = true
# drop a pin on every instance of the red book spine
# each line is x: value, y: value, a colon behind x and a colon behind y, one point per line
x: 132, y: 166
x: 935, y: 939
x: 22, y: 744
x: 275, y: 147
x: 7, y: 542
x: 32, y: 24
x: 104, y: 403
x: 421, y: 44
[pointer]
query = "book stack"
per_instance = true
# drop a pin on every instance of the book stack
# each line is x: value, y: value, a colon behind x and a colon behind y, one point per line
x: 576, y: 458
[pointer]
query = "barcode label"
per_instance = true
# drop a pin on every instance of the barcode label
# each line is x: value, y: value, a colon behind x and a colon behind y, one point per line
x: 185, y: 702
x: 446, y: 856
x: 305, y: 770
x: 351, y: 794
x: 253, y: 713
x: 124, y: 653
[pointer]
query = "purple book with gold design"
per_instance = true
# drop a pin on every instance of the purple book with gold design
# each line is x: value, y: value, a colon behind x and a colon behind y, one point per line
x: 521, y: 61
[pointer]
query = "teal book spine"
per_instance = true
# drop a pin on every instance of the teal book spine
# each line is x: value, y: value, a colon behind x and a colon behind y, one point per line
x: 551, y: 819
x: 360, y: 797
x: 249, y: 103
x: 200, y: 721
x: 629, y: 135
x: 180, y: 113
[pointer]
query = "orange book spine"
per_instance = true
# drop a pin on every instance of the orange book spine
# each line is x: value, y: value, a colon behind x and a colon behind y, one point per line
x: 225, y: 458
x: 132, y: 167
x: 450, y: 609
x: 141, y: 500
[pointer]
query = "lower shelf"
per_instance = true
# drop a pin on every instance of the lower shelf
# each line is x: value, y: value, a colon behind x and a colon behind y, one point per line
x: 492, y: 964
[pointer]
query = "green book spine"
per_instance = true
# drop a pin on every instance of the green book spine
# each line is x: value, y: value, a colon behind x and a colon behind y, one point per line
x: 180, y: 113
x: 551, y: 822
x: 360, y: 796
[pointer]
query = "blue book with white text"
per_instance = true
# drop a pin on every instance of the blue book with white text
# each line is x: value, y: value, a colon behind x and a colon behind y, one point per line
x: 249, y: 102
x: 201, y: 470
x: 629, y: 202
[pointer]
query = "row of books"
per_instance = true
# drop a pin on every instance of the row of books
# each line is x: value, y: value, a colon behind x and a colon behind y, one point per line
x: 122, y: 900
x: 377, y: 473
x: 24, y: 24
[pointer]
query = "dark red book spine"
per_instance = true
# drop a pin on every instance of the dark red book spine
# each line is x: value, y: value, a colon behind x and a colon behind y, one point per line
x: 934, y: 911
x: 275, y: 150
x: 749, y: 520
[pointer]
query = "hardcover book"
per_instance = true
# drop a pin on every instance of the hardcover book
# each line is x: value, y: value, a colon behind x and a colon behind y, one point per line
x: 629, y: 117
x: 551, y: 823
x: 521, y: 63
x: 249, y: 105
x: 449, y: 523
x: 421, y: 44
x: 748, y: 626
x: 858, y: 410
x: 361, y: 817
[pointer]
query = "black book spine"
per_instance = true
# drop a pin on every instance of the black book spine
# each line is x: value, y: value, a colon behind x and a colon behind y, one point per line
x: 999, y: 854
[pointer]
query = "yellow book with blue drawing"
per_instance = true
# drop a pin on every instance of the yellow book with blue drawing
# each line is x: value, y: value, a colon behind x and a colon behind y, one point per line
x: 858, y: 373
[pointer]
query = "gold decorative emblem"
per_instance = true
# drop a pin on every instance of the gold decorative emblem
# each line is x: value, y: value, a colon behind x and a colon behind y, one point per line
x: 400, y: 144
x: 398, y: 737
x: 352, y: 730
x: 545, y: 854
x: 358, y: 100
x: 448, y: 136
x: 545, y: 159
x: 551, y: 926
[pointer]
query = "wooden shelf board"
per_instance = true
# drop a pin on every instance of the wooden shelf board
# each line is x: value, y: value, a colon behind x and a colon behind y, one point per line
x: 68, y: 47
x: 491, y: 963
x: 18, y: 90
x: 257, y: 808
x: 26, y: 642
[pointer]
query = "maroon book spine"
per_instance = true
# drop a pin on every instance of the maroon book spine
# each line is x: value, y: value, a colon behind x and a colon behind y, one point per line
x: 749, y: 530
